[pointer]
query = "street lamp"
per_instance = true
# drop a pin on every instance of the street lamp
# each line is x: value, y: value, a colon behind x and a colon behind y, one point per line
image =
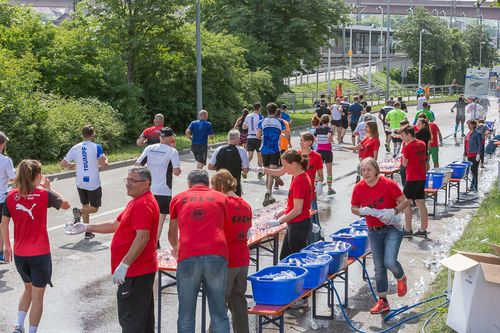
x: 381, y: 30
x: 387, y: 60
x: 422, y: 31
x: 370, y: 58
x: 199, y: 105
x: 481, y: 53
x: 480, y: 19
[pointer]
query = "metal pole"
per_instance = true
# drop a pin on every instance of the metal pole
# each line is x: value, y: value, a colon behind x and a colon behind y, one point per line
x: 420, y: 59
x: 382, y: 33
x: 329, y: 69
x: 370, y: 59
x: 388, y: 63
x: 480, y: 54
x: 350, y: 49
x: 199, y: 101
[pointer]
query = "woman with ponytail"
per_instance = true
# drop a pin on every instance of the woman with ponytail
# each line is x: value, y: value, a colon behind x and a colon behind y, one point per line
x: 27, y: 205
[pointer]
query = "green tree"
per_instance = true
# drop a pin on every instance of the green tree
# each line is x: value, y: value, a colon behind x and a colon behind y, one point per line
x: 279, y: 35
x: 474, y: 37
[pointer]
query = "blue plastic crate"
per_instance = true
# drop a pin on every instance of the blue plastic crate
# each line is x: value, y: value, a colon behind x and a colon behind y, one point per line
x: 359, y: 224
x: 437, y: 180
x: 318, y: 272
x: 277, y: 292
x: 339, y: 258
x: 459, y: 170
x: 359, y: 244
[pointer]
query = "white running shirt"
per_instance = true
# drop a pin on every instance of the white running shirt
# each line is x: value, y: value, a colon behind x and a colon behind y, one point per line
x: 7, y: 172
x: 252, y: 120
x: 336, y: 114
x: 85, y: 155
x: 160, y: 159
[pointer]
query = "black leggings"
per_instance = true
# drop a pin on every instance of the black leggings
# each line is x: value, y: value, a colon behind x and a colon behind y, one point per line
x: 474, y: 170
x: 296, y: 237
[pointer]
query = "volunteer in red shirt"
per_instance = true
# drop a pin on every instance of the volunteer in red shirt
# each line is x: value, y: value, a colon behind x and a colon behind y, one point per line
x: 369, y: 146
x: 133, y: 252
x: 236, y: 230
x: 414, y: 159
x: 27, y: 205
x: 436, y: 141
x: 380, y: 199
x: 196, y: 233
x: 151, y: 135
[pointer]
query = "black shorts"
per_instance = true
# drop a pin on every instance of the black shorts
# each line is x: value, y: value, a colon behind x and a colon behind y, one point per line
x: 414, y: 189
x: 344, y: 122
x: 254, y: 144
x: 200, y: 153
x: 164, y: 203
x: 395, y: 140
x: 36, y: 270
x: 326, y: 155
x: 336, y: 123
x: 270, y: 159
x: 92, y: 198
x: 353, y: 126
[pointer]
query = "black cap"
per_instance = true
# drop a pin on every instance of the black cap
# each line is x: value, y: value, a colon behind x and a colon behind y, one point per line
x: 3, y: 137
x: 166, y: 131
x: 284, y: 106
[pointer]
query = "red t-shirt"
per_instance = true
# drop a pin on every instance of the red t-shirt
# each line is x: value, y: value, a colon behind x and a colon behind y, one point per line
x: 381, y: 196
x: 201, y: 214
x: 236, y: 231
x: 152, y: 134
x: 29, y: 214
x: 416, y: 154
x: 141, y: 213
x: 368, y: 147
x: 300, y: 188
x: 434, y: 135
x: 314, y: 163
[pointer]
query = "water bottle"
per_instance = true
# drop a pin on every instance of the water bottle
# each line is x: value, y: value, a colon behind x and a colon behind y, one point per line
x: 430, y: 183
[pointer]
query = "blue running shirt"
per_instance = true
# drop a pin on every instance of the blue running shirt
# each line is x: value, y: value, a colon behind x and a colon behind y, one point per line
x: 271, y: 132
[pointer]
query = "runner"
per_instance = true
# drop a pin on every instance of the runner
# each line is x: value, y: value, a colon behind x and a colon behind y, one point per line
x: 426, y: 109
x: 403, y: 104
x: 284, y: 114
x: 420, y: 101
x: 285, y: 141
x: 381, y: 115
x: 7, y: 173
x: 361, y: 128
x: 239, y: 126
x: 472, y: 151
x: 323, y: 108
x: 232, y: 158
x: 269, y: 129
x: 336, y: 111
x: 476, y: 110
x: 414, y: 160
x: 392, y: 119
x: 436, y: 141
x: 355, y: 110
x: 27, y: 205
x: 236, y: 229
x: 151, y: 135
x: 254, y: 143
x: 162, y: 161
x: 315, y: 121
x: 427, y: 91
x: 198, y: 132
x: 460, y: 116
x: 380, y: 199
x: 345, y: 116
x: 88, y: 157
x: 324, y: 138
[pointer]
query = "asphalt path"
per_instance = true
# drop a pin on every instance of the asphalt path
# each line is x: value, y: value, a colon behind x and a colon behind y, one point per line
x: 83, y: 297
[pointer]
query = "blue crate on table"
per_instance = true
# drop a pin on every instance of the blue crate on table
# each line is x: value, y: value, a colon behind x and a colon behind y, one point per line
x: 318, y: 268
x: 359, y: 244
x: 339, y: 257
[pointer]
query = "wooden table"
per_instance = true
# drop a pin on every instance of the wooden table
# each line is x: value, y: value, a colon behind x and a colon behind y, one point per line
x: 389, y: 173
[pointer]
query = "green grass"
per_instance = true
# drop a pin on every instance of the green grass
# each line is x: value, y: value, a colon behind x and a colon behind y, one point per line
x: 484, y: 225
x: 131, y: 151
x: 379, y: 80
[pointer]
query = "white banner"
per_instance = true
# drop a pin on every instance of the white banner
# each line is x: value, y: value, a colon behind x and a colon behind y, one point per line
x: 477, y: 82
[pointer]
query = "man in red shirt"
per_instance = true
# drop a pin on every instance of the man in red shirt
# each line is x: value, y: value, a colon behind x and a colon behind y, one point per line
x: 133, y: 252
x: 196, y: 233
x: 414, y: 160
x: 151, y: 135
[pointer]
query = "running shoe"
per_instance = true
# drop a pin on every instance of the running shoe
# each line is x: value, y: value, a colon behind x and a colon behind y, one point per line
x: 463, y: 135
x: 260, y: 175
x: 402, y: 287
x: 18, y: 329
x: 455, y: 135
x: 77, y: 214
x: 381, y: 306
x: 301, y: 303
x: 279, y: 181
x: 387, y: 148
x: 331, y: 191
x: 244, y: 175
x: 407, y: 233
x: 89, y: 235
x: 268, y: 200
x: 420, y: 233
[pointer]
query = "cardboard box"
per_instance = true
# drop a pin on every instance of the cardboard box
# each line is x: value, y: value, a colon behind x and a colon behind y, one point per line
x: 475, y: 297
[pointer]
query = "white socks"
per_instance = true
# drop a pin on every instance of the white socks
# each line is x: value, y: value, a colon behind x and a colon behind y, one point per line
x: 33, y: 329
x: 21, y: 315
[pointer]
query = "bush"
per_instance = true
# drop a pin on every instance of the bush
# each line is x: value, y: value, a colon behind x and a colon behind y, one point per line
x: 66, y: 117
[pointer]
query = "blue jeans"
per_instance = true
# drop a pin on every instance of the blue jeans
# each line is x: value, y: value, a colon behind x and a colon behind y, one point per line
x: 211, y: 271
x: 384, y: 244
